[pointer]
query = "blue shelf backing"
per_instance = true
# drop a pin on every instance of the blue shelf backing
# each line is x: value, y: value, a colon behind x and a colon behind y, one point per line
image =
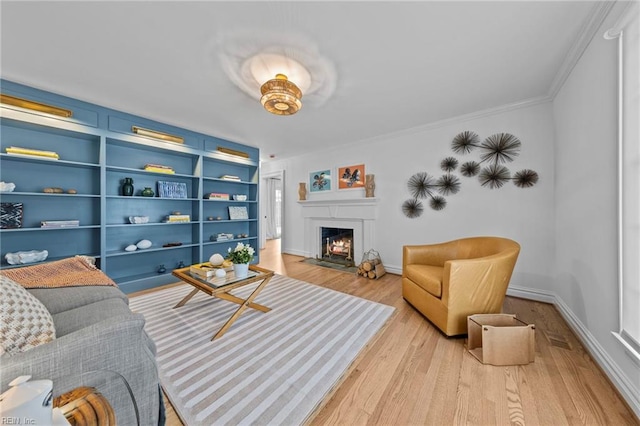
x: 97, y: 148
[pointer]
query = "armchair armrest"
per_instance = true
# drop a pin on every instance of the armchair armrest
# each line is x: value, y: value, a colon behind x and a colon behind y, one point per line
x: 460, y: 289
x: 427, y: 254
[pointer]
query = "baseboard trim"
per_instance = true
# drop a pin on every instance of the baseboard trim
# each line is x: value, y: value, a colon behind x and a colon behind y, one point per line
x: 293, y: 252
x: 602, y: 358
x: 531, y: 294
x: 621, y: 382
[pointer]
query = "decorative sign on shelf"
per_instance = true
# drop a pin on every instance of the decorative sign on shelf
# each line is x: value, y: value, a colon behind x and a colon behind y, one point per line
x: 172, y: 189
x: 238, y: 212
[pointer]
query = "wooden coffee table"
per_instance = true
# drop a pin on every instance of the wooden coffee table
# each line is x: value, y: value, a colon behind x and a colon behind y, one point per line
x: 221, y: 287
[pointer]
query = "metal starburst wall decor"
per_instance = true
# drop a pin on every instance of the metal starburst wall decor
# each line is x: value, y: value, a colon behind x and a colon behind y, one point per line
x: 490, y: 169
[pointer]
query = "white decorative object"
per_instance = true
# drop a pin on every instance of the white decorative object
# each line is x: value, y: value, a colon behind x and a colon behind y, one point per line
x: 240, y: 197
x: 7, y: 186
x: 241, y: 270
x: 143, y: 244
x: 22, y: 257
x: 28, y: 402
x: 220, y: 273
x: 131, y: 247
x: 216, y: 259
x: 138, y: 219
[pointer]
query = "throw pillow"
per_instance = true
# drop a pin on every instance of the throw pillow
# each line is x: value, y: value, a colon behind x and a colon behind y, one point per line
x: 24, y: 321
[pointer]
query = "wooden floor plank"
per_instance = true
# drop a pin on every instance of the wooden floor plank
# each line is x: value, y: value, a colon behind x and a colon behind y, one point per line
x: 414, y: 375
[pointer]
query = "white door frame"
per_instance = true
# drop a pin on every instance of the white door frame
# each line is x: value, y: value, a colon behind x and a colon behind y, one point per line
x: 275, y: 174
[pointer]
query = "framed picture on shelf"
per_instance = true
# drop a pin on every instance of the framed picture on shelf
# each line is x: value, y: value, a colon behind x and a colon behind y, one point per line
x: 238, y: 212
x: 10, y: 215
x: 172, y: 189
x: 320, y: 181
x: 350, y: 177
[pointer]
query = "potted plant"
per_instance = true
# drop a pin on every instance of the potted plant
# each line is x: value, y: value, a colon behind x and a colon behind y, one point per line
x: 241, y: 256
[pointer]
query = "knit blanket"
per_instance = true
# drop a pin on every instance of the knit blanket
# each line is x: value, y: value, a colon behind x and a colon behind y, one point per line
x: 71, y: 272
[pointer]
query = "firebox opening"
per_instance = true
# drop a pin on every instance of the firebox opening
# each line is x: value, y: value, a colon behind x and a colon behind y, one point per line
x: 336, y: 245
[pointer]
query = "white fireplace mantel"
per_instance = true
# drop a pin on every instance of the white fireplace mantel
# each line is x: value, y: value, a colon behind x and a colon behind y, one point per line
x: 359, y: 214
x: 356, y: 208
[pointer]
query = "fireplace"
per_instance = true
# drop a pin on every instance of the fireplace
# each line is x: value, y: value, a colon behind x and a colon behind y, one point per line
x: 356, y: 215
x: 336, y: 245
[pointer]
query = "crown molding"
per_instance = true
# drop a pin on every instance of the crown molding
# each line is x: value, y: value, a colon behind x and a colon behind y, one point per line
x: 458, y: 119
x: 630, y: 11
x: 590, y: 28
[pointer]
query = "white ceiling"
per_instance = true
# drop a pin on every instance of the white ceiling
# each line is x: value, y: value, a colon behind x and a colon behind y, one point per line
x: 386, y: 66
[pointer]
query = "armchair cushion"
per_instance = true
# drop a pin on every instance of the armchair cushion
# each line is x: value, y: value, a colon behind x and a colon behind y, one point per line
x: 427, y: 277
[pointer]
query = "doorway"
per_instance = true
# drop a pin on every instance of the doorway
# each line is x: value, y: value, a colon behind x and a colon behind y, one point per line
x: 271, y: 208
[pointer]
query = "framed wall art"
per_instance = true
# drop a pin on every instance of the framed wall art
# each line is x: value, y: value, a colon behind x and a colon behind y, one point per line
x: 238, y: 213
x: 10, y: 215
x: 350, y: 177
x: 320, y: 181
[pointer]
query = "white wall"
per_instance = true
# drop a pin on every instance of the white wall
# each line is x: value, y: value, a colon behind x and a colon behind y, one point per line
x: 586, y: 282
x: 525, y: 215
x: 566, y: 224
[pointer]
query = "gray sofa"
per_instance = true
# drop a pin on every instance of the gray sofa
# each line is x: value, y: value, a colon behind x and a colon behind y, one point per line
x: 99, y: 342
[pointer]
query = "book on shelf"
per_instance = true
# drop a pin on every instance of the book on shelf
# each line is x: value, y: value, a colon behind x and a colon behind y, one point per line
x: 172, y: 218
x: 59, y: 223
x: 158, y: 166
x: 28, y: 152
x: 217, y: 196
x: 230, y: 177
x: 224, y: 237
x: 159, y: 170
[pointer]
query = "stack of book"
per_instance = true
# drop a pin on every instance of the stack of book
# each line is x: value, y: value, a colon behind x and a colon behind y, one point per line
x: 158, y: 168
x: 224, y: 237
x: 177, y: 218
x: 217, y: 196
x: 202, y: 270
x: 59, y: 223
x: 229, y: 177
x: 34, y: 153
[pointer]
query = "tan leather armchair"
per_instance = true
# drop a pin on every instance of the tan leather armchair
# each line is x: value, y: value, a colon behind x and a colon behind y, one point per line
x: 449, y: 281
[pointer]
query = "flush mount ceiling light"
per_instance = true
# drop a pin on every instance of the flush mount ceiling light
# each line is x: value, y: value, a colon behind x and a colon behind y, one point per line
x: 252, y: 60
x: 280, y: 96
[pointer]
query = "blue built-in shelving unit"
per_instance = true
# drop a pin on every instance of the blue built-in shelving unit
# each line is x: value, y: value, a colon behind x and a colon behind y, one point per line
x: 97, y: 150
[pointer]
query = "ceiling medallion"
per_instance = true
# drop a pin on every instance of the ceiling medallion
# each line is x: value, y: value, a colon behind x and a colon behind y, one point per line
x: 280, y: 96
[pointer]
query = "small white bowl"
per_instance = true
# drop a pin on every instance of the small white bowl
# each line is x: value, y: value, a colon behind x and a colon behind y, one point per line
x: 138, y: 219
x: 240, y: 197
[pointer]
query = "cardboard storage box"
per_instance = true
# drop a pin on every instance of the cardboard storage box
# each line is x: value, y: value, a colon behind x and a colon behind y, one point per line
x: 500, y: 339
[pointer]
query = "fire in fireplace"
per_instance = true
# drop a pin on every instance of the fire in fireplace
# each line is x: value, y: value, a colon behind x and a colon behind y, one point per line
x: 336, y: 245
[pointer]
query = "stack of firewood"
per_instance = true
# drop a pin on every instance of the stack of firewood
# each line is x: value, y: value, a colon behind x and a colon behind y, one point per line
x: 371, y: 266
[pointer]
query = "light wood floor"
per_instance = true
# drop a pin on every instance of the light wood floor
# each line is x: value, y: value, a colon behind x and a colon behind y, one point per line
x: 413, y: 375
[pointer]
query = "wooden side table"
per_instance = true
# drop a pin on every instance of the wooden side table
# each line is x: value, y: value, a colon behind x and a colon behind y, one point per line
x: 85, y: 406
x: 221, y: 287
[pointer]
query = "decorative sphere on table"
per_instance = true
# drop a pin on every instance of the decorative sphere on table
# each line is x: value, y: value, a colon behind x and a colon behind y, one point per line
x: 216, y: 259
x: 220, y: 273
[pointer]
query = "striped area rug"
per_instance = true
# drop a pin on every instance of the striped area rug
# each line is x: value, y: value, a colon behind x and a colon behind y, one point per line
x: 270, y: 368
